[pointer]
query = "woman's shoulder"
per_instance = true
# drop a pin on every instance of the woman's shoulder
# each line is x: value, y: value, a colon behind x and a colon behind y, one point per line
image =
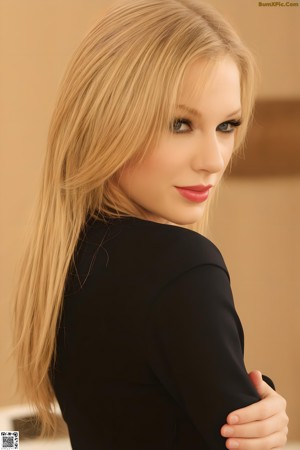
x: 154, y: 244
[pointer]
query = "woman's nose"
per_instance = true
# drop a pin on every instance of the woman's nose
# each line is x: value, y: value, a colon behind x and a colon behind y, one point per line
x: 209, y: 155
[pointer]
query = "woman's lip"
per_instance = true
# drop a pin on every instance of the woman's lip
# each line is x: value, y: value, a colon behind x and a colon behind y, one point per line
x: 194, y: 196
x: 198, y: 188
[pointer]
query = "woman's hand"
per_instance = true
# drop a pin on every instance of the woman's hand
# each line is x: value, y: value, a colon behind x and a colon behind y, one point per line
x: 260, y: 426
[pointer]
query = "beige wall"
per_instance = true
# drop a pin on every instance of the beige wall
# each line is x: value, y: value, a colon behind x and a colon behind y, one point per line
x: 257, y: 224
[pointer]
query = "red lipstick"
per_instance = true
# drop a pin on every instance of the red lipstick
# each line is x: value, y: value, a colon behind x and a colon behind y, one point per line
x: 197, y: 193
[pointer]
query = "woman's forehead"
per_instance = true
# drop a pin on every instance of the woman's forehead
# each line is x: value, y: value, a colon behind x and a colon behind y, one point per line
x: 204, y: 78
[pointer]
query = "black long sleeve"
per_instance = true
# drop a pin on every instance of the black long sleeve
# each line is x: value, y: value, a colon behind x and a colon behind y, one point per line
x: 196, y: 349
x: 149, y: 347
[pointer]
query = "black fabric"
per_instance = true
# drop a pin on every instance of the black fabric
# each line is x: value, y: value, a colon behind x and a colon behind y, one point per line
x: 150, y: 347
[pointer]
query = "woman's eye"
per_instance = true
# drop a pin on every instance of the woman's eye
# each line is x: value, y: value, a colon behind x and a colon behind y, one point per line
x: 181, y: 126
x: 228, y: 127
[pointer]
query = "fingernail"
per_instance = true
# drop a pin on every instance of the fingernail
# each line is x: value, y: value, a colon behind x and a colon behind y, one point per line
x: 227, y: 431
x: 233, y: 444
x: 233, y: 419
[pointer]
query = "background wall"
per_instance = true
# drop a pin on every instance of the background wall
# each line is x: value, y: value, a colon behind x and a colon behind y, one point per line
x: 258, y: 221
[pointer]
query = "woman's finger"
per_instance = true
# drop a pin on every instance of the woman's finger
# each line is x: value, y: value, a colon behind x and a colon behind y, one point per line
x: 275, y: 440
x: 268, y: 407
x: 262, y: 428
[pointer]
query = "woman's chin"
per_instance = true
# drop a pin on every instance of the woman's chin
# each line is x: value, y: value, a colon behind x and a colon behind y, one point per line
x: 180, y: 219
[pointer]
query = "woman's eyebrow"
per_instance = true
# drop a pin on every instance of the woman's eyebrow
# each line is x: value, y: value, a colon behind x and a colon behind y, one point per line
x: 190, y: 110
x: 198, y: 114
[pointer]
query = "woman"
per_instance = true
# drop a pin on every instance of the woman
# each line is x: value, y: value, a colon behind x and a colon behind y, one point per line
x: 124, y: 311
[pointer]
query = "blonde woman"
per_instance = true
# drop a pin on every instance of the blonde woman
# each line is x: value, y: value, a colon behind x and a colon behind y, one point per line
x: 124, y: 311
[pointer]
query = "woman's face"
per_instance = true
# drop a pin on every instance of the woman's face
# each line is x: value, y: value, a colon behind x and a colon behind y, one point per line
x: 194, y: 151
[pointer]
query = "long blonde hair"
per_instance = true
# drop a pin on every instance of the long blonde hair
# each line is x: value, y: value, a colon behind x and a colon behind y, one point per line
x: 115, y: 100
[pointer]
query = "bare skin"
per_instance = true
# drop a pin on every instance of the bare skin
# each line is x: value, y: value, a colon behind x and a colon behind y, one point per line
x: 260, y: 426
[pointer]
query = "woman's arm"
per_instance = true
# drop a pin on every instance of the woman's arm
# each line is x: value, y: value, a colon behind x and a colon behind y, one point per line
x: 195, y: 348
x: 260, y: 426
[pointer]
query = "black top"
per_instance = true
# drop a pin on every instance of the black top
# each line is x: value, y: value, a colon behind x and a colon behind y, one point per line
x: 150, y: 347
